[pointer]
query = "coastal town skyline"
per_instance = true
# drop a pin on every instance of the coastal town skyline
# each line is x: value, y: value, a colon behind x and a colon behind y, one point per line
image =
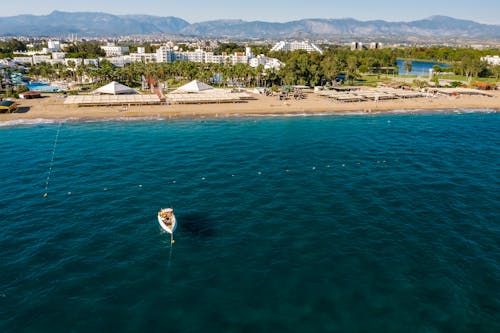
x: 483, y: 11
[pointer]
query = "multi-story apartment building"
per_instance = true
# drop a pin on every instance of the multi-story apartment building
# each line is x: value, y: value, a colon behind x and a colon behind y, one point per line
x: 40, y: 58
x: 114, y: 51
x: 295, y: 45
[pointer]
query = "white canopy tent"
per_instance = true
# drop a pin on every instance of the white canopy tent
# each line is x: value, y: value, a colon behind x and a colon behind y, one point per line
x: 194, y: 86
x: 115, y: 88
x: 93, y: 100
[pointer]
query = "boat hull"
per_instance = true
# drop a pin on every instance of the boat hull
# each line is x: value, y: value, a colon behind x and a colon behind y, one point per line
x: 164, y: 226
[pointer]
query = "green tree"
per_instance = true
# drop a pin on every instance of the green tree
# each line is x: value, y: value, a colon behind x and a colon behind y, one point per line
x: 229, y: 48
x: 351, y: 71
x: 12, y: 45
x: 331, y: 67
x: 85, y: 50
x: 473, y: 66
x: 495, y: 70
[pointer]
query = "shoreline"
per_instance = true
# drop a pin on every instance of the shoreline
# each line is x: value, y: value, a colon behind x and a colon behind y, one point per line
x: 39, y: 121
x: 52, y: 108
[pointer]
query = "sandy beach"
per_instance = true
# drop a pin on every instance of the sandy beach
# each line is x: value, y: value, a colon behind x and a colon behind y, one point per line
x: 52, y: 107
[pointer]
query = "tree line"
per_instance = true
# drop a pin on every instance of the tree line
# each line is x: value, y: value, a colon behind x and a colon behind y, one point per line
x: 300, y: 67
x: 7, y: 48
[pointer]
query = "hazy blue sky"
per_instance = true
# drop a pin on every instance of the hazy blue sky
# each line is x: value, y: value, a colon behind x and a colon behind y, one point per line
x: 485, y: 11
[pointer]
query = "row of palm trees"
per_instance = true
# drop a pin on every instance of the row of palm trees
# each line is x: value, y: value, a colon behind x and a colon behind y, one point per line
x: 174, y: 74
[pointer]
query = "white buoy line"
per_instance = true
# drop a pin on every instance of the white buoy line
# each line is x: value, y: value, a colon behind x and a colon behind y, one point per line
x: 205, y: 179
x: 49, y: 173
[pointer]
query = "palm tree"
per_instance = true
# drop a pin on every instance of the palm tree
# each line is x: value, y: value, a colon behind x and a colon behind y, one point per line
x: 106, y: 71
x: 71, y: 67
x: 258, y: 72
x: 408, y: 65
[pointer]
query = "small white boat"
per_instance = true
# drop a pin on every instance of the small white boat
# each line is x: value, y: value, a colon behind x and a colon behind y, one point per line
x: 167, y: 220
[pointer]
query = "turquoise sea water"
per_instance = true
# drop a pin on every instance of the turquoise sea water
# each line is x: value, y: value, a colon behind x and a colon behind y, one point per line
x: 385, y: 223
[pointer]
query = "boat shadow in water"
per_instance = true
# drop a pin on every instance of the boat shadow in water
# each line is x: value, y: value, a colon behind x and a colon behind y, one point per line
x: 197, y: 224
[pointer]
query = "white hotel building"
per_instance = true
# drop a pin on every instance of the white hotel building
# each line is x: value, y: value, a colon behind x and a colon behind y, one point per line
x: 292, y: 46
x: 114, y: 51
x: 142, y: 56
x: 268, y: 63
x: 492, y: 60
x: 166, y: 54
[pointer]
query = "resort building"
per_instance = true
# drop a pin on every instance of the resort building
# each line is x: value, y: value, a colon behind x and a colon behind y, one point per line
x: 58, y: 55
x: 119, y: 61
x: 492, y: 60
x: 55, y: 58
x: 169, y: 55
x: 376, y: 46
x: 197, y: 56
x: 114, y: 51
x: 38, y: 59
x: 57, y: 61
x: 73, y: 62
x: 248, y: 52
x: 292, y: 46
x: 92, y: 62
x: 53, y: 46
x: 165, y: 54
x: 268, y: 63
x: 239, y: 58
x: 8, y: 63
x: 211, y: 58
x: 24, y: 60
x: 142, y: 57
x: 358, y: 46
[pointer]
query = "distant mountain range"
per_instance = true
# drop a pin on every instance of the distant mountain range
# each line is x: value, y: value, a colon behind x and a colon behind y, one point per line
x: 101, y: 24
